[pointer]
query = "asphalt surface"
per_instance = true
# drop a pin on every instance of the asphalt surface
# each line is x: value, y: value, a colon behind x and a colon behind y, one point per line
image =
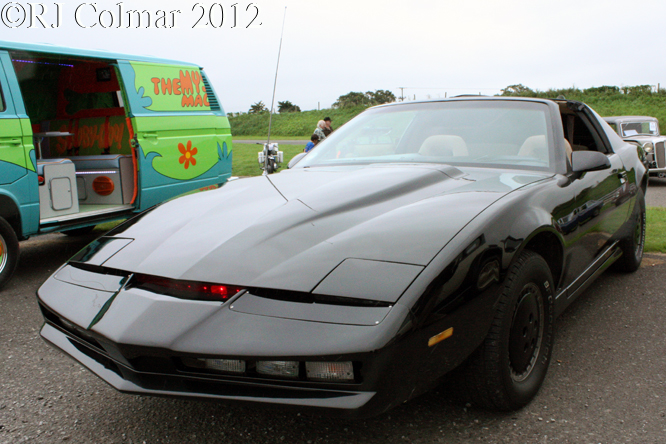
x: 656, y: 195
x: 606, y: 384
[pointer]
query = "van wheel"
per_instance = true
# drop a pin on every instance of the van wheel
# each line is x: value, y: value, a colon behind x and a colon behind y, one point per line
x: 80, y: 231
x: 9, y: 252
x: 507, y: 370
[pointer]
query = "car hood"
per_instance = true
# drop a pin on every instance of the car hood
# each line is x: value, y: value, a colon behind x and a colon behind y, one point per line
x: 291, y: 230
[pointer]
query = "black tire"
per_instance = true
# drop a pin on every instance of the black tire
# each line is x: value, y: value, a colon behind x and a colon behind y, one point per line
x: 633, y: 244
x: 9, y: 252
x: 507, y: 370
x: 270, y: 167
x: 80, y: 231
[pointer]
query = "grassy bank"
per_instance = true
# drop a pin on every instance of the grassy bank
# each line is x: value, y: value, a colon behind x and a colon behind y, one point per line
x: 303, y: 124
x: 290, y: 124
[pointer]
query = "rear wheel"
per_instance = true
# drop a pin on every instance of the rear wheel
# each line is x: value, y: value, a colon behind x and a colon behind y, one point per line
x: 9, y: 252
x: 632, y: 245
x: 507, y: 370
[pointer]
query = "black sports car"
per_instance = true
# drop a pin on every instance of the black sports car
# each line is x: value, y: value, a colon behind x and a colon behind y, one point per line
x: 418, y: 239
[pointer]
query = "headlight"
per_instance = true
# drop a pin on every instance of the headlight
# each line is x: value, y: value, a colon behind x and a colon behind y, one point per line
x: 648, y: 147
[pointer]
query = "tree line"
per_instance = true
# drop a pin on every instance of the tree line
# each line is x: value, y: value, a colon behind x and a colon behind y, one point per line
x: 349, y: 100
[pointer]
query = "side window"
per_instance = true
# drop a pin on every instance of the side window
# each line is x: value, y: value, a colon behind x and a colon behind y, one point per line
x: 582, y: 135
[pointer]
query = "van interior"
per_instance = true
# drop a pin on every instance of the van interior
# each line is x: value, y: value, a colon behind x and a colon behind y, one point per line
x: 85, y: 162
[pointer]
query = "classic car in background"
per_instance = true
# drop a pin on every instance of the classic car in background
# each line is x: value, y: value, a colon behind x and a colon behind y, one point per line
x: 644, y: 132
x: 418, y: 239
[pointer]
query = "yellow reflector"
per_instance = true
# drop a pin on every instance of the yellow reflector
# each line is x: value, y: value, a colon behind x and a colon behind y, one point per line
x: 440, y: 337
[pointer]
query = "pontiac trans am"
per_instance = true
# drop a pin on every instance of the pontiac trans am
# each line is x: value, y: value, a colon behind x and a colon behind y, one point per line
x: 420, y: 239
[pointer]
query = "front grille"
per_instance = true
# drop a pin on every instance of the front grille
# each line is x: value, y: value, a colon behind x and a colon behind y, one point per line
x: 661, y: 155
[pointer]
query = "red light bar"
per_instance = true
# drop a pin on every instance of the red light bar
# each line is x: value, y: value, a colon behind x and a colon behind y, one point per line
x: 184, y: 289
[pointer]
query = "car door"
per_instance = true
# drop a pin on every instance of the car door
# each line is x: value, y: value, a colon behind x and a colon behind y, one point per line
x: 601, y: 204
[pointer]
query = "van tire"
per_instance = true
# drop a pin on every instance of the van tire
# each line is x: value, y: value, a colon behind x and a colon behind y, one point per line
x: 9, y: 252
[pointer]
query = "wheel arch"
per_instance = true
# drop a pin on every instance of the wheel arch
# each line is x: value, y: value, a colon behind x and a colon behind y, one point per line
x: 546, y: 243
x: 9, y: 211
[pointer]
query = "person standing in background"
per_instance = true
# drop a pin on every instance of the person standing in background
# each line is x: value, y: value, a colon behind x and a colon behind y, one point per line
x: 329, y: 129
x: 319, y: 131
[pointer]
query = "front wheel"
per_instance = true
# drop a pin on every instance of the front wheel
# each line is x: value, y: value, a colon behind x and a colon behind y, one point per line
x: 507, y: 370
x: 9, y: 252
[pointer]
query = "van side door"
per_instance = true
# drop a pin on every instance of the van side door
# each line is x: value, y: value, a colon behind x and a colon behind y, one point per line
x: 182, y: 137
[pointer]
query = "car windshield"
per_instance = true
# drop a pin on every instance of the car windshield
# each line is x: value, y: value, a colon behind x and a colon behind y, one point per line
x: 648, y: 127
x: 486, y: 133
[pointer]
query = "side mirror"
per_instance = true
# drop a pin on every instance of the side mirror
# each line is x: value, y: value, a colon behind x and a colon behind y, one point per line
x: 294, y: 160
x: 582, y: 161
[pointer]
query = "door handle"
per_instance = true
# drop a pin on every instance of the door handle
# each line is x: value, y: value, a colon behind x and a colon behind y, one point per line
x: 150, y: 135
x: 12, y: 141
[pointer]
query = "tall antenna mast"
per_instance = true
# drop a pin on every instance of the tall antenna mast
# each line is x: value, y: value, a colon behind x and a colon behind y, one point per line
x: 270, y: 118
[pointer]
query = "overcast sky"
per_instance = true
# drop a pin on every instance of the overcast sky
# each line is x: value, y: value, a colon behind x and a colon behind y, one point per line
x: 432, y: 48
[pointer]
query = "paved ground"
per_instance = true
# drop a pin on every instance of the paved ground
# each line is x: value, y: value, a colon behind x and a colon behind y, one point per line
x: 656, y: 195
x: 607, y: 383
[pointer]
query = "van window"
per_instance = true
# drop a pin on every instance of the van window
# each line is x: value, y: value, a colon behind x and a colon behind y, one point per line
x: 2, y: 101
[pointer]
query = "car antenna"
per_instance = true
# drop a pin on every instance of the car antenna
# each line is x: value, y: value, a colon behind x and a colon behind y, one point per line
x: 270, y: 151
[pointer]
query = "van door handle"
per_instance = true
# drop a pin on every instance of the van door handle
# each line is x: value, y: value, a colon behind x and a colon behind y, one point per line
x: 11, y: 141
x: 150, y: 135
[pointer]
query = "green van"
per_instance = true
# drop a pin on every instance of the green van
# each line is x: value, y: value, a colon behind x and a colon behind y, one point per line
x: 88, y: 137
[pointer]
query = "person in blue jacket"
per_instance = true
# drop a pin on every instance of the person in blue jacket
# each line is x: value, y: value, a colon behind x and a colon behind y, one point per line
x: 314, y: 139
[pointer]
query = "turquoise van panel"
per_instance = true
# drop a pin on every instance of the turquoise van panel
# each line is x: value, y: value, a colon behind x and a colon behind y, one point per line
x: 73, y: 52
x: 19, y: 192
x: 156, y: 188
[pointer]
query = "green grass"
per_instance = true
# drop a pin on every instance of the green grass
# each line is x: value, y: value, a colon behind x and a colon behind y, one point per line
x: 245, y: 161
x: 655, y: 237
x: 289, y: 124
x: 247, y: 126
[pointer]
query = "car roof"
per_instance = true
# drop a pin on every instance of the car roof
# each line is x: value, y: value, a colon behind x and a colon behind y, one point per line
x: 629, y: 118
x: 46, y: 48
x: 477, y: 98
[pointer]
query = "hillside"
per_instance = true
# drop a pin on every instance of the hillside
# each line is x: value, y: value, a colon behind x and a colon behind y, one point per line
x: 606, y: 100
x: 300, y: 124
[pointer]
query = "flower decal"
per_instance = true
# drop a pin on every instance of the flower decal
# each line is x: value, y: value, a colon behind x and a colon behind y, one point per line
x: 188, y: 154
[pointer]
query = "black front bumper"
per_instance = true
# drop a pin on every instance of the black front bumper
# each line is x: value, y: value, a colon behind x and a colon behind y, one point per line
x: 128, y: 380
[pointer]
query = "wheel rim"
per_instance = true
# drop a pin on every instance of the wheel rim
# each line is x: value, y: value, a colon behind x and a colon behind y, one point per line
x: 526, y: 333
x: 639, y: 235
x: 3, y: 254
